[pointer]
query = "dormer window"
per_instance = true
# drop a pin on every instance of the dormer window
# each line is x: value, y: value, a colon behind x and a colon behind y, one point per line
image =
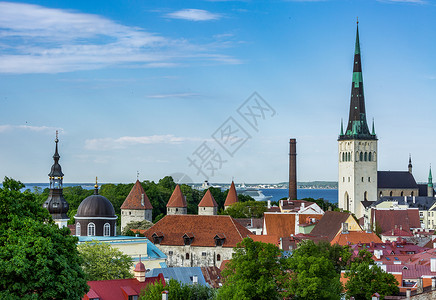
x: 188, y: 238
x: 219, y: 239
x: 157, y: 237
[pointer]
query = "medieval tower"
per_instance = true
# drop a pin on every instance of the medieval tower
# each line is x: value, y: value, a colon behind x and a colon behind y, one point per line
x: 357, y: 180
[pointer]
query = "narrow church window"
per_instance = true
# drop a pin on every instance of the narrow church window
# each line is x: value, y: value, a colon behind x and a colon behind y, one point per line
x: 381, y: 194
x: 107, y: 229
x: 362, y: 179
x: 91, y: 229
x: 369, y: 179
x: 348, y: 179
x: 187, y: 256
x: 78, y: 229
x: 369, y: 156
x: 365, y: 196
x: 343, y: 179
x: 390, y: 194
x: 402, y: 194
x: 366, y: 156
x: 361, y: 156
x: 218, y: 257
x: 411, y: 194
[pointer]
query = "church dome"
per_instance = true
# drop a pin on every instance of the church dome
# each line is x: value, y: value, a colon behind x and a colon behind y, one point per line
x: 95, y: 206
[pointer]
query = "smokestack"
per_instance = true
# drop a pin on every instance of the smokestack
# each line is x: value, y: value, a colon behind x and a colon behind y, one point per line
x: 292, y: 169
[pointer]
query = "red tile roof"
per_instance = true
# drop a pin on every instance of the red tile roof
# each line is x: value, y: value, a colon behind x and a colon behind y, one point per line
x: 388, y: 219
x: 232, y: 196
x: 119, y: 288
x: 281, y: 225
x: 355, y: 237
x: 294, y: 205
x: 397, y: 232
x: 208, y: 200
x: 203, y: 228
x: 177, y: 199
x: 137, y: 198
x: 269, y: 239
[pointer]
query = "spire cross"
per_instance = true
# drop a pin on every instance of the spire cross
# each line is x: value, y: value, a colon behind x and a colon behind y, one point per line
x: 357, y: 22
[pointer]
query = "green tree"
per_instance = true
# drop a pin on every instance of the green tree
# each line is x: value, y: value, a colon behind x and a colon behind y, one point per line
x: 177, y: 291
x: 365, y: 279
x: 103, y: 262
x: 256, y: 271
x: 37, y: 259
x: 315, y: 270
x: 144, y: 224
x: 248, y: 209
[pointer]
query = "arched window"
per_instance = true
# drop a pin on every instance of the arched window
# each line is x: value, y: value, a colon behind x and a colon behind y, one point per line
x: 381, y: 194
x: 361, y: 156
x: 390, y: 194
x: 402, y: 194
x: 373, y: 156
x: 343, y: 156
x: 357, y: 156
x: 77, y: 229
x: 187, y: 256
x: 366, y: 156
x: 411, y: 194
x: 107, y: 229
x: 347, y: 202
x: 369, y: 156
x: 349, y: 156
x: 91, y: 229
x: 365, y: 196
x: 218, y: 257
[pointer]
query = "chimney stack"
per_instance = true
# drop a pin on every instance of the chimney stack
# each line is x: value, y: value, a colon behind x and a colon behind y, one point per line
x: 292, y: 169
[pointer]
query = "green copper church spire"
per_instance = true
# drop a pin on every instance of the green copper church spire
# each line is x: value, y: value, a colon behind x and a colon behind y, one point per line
x: 430, y: 178
x: 357, y: 126
x: 342, y: 127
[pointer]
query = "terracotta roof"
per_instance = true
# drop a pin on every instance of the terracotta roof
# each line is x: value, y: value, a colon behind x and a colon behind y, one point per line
x: 355, y: 237
x: 330, y: 224
x: 135, y: 198
x: 232, y: 196
x: 224, y: 264
x: 411, y: 271
x: 204, y: 229
x: 388, y: 219
x: 208, y: 200
x: 269, y: 239
x: 212, y: 275
x: 119, y: 288
x: 274, y: 209
x: 307, y: 218
x: 397, y: 232
x: 281, y: 225
x: 177, y: 199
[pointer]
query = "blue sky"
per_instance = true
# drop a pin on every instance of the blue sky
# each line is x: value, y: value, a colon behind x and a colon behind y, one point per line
x: 145, y: 85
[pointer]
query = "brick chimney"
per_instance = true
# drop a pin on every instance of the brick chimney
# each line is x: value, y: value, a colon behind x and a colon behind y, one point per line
x: 292, y: 169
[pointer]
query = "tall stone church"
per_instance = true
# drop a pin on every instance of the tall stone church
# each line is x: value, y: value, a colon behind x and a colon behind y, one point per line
x: 360, y: 184
x: 357, y: 180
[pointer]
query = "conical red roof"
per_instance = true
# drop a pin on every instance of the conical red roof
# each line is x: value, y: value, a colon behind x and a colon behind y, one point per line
x: 137, y: 198
x: 208, y: 200
x: 177, y: 198
x: 232, y: 196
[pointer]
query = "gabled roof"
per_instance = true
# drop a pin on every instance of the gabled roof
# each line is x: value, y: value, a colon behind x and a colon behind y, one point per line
x: 423, y: 203
x: 204, y: 228
x: 208, y: 200
x: 232, y: 196
x: 137, y: 198
x: 269, y: 239
x: 355, y: 237
x: 395, y: 180
x: 330, y: 224
x: 177, y: 199
x: 118, y: 288
x: 388, y: 219
x: 281, y: 225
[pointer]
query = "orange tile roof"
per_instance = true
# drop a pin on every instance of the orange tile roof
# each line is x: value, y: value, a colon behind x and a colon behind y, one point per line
x: 269, y: 239
x: 177, y: 199
x: 232, y: 196
x: 355, y: 237
x: 203, y: 228
x: 134, y: 199
x: 208, y: 200
x: 280, y: 225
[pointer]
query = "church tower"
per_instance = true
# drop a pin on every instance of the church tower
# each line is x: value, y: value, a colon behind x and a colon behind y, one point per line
x: 56, y: 204
x: 357, y: 180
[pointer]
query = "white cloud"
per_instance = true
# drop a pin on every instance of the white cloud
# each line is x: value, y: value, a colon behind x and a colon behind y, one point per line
x: 127, y: 141
x: 37, y: 39
x: 192, y: 14
x: 7, y: 127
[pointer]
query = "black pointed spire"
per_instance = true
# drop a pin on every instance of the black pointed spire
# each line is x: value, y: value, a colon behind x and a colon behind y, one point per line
x: 410, y: 163
x: 357, y: 126
x: 56, y: 203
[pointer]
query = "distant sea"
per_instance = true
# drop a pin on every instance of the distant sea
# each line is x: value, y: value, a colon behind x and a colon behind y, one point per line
x: 331, y: 195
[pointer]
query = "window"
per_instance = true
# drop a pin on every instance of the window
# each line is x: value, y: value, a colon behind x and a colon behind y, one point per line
x: 91, y: 229
x: 361, y: 156
x: 218, y: 257
x: 362, y: 179
x: 170, y: 252
x: 133, y: 297
x: 402, y: 193
x: 107, y: 229
x: 187, y: 256
x: 390, y: 194
x: 369, y: 179
x: 77, y: 229
x: 203, y: 253
x: 366, y: 156
x: 369, y: 156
